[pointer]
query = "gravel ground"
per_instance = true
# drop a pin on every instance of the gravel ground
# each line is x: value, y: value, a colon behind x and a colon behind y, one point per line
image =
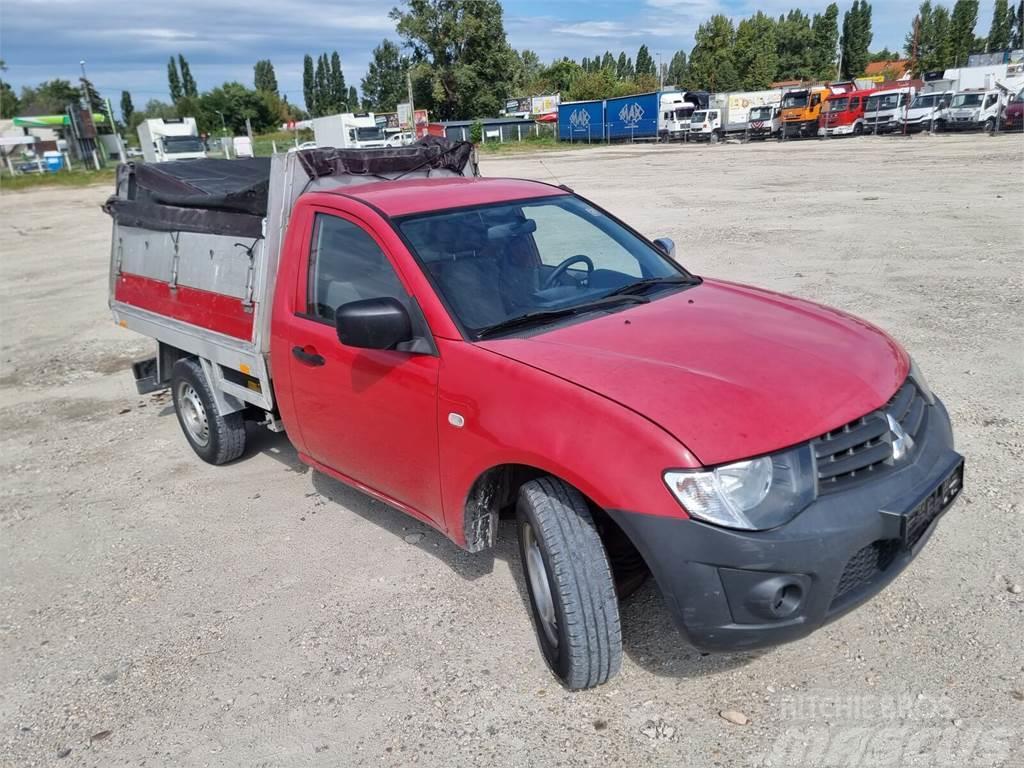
x: 158, y: 611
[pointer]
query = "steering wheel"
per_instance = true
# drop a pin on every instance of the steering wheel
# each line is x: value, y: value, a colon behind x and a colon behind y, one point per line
x: 561, y: 269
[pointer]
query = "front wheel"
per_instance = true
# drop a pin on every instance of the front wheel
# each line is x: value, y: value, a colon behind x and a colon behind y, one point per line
x: 216, y: 438
x: 858, y: 129
x: 990, y: 125
x: 572, y: 593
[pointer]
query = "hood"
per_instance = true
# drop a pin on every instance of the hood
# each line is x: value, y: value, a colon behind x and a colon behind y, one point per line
x: 730, y: 371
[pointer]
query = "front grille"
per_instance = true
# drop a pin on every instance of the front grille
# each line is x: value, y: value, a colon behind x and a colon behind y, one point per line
x: 864, y: 567
x: 864, y: 448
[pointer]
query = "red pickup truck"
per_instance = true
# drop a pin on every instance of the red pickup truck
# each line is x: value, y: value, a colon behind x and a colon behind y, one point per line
x: 462, y: 348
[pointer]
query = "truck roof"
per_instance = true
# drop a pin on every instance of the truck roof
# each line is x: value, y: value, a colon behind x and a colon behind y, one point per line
x: 402, y: 197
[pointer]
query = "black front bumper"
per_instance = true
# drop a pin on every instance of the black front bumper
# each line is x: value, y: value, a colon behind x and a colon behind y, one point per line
x: 736, y: 590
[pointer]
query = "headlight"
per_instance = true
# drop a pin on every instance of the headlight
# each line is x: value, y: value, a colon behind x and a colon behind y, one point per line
x: 922, y: 385
x: 751, y: 495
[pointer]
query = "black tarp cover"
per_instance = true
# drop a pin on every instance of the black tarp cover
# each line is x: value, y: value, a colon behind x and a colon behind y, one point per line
x: 229, y: 197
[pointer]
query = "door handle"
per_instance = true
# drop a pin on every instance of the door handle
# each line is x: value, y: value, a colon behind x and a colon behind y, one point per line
x: 309, y: 358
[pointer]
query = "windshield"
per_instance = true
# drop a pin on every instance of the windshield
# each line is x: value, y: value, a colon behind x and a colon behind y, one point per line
x: 176, y: 144
x: 496, y: 263
x: 370, y: 134
x: 925, y: 102
x: 699, y: 117
x: 794, y: 99
x: 967, y: 100
x: 838, y: 105
x: 761, y: 113
x: 885, y: 101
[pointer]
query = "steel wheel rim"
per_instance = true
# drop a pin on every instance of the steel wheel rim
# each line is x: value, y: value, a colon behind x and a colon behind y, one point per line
x: 540, y: 587
x: 193, y: 414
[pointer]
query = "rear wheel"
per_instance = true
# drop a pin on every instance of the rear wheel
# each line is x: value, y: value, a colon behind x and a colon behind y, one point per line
x: 572, y: 593
x: 215, y: 438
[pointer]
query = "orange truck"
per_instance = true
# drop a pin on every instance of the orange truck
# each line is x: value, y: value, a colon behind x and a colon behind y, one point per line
x: 802, y: 107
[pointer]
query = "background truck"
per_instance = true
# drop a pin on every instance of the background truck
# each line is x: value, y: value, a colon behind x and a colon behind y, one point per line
x: 764, y: 122
x: 349, y: 131
x: 927, y: 112
x: 801, y: 107
x: 728, y: 114
x: 171, y: 139
x: 886, y: 109
x: 675, y: 110
x: 843, y: 114
x: 977, y: 109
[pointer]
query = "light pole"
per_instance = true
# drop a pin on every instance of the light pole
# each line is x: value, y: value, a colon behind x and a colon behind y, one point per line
x: 88, y: 108
x: 224, y: 131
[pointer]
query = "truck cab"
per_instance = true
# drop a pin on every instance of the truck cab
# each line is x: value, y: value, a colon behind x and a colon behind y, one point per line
x: 886, y: 108
x: 976, y: 110
x: 706, y: 125
x: 674, y: 112
x: 349, y: 131
x: 927, y: 112
x: 843, y: 114
x: 764, y: 122
x: 171, y: 139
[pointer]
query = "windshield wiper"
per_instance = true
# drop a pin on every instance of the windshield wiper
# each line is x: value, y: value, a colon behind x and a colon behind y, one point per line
x: 641, y: 285
x: 542, y: 315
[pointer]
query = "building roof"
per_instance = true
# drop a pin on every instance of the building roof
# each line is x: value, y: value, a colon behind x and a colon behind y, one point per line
x: 399, y: 198
x: 899, y: 67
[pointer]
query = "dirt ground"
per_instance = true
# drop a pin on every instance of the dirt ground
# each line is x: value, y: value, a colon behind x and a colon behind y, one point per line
x: 158, y: 611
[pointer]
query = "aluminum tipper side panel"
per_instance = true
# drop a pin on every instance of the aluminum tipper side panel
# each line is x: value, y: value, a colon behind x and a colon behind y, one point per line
x: 193, y: 265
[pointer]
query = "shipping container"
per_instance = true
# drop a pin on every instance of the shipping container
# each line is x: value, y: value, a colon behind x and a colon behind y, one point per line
x: 581, y: 121
x: 632, y: 117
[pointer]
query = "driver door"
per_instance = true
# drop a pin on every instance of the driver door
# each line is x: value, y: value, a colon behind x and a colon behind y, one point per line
x: 369, y: 415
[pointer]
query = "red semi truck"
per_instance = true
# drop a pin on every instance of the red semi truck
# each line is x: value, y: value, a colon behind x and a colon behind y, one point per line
x: 462, y: 348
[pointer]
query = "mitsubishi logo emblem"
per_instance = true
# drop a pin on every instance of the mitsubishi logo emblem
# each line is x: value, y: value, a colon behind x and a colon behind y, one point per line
x: 902, y: 443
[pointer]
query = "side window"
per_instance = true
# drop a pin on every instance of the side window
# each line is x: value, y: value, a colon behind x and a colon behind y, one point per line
x: 855, y: 103
x: 346, y: 265
x: 815, y: 100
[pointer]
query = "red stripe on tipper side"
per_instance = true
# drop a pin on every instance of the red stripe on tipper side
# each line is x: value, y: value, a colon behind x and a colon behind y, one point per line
x: 214, y: 311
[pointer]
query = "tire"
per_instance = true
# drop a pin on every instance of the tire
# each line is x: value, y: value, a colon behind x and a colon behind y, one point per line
x: 858, y: 129
x: 990, y: 126
x: 216, y: 439
x: 572, y: 594
x: 715, y: 138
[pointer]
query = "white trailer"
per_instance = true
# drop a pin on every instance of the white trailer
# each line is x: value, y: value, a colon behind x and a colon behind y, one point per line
x: 349, y: 131
x: 171, y: 139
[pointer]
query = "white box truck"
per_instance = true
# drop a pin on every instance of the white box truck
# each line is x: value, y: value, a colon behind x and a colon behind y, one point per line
x: 729, y: 113
x: 349, y: 131
x: 172, y: 139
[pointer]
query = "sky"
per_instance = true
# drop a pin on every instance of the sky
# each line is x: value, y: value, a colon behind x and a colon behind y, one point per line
x: 126, y: 44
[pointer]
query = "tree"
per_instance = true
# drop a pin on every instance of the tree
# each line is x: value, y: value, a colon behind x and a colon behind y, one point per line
x: 321, y: 87
x: 1017, y: 37
x: 50, y: 97
x: 856, y: 38
x: 676, y: 73
x: 308, y: 84
x: 930, y: 49
x: 883, y: 55
x: 528, y: 69
x: 825, y: 29
x: 236, y: 103
x: 9, y: 104
x: 754, y: 52
x: 608, y: 61
x: 1001, y: 30
x: 92, y: 97
x: 173, y: 80
x: 622, y: 67
x: 644, y: 63
x: 961, y: 31
x: 127, y: 108
x: 337, y: 87
x: 795, y: 45
x: 384, y: 86
x: 264, y: 77
x: 560, y: 76
x: 353, y: 99
x: 711, y: 63
x: 463, y: 60
x: 188, y: 83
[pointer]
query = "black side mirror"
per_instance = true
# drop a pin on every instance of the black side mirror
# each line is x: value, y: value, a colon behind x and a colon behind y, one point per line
x: 373, y: 323
x: 667, y: 246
